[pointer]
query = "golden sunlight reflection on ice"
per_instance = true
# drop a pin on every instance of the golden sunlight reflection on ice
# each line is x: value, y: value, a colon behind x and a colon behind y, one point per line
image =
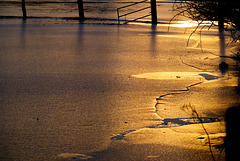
x: 187, y: 23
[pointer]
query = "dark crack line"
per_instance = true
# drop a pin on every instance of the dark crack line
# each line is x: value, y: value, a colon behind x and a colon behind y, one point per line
x: 175, y: 92
x: 192, y: 66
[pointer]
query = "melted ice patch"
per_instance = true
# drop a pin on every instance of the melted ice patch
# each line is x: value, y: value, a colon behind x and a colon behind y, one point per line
x: 168, y: 123
x: 178, y: 75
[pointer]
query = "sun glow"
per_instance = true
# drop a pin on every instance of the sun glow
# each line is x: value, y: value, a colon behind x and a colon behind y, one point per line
x: 187, y: 23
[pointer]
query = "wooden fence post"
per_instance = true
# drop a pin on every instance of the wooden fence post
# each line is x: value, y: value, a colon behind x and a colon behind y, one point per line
x: 24, y: 9
x: 220, y: 15
x: 154, y: 11
x: 80, y: 10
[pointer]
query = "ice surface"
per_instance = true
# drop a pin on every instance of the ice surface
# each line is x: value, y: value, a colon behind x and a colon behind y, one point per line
x: 66, y: 88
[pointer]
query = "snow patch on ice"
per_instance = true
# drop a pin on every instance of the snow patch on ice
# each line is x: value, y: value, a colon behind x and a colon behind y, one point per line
x: 74, y: 156
x: 178, y: 75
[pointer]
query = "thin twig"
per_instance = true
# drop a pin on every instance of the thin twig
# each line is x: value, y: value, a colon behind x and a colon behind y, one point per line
x: 190, y: 109
x: 205, y: 130
x: 193, y: 32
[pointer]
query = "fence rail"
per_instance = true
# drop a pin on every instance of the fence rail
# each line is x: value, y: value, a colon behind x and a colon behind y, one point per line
x: 132, y: 12
x: 24, y: 11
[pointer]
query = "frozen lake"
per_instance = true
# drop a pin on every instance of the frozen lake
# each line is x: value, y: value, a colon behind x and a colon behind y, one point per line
x: 106, y: 91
